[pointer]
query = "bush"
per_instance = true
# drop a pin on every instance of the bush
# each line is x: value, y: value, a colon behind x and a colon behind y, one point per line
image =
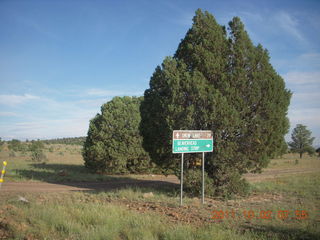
x: 231, y: 184
x: 114, y: 144
x: 36, y: 148
x: 192, y: 183
x: 38, y: 156
x: 17, y: 146
x: 50, y: 149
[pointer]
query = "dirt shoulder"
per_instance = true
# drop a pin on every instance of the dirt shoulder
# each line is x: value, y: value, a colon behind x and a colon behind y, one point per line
x: 82, y: 186
x: 139, y: 181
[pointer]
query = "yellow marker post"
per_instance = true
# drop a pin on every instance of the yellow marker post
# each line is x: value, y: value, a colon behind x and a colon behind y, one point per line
x: 3, y: 172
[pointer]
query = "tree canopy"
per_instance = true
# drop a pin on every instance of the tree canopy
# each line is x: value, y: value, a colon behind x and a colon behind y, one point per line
x: 217, y: 80
x: 301, y: 140
x: 114, y: 144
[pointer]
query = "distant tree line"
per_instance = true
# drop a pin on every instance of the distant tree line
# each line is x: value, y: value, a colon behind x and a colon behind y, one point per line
x: 18, y: 145
x: 68, y: 141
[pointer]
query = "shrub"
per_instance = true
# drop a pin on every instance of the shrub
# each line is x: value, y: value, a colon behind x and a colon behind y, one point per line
x: 192, y: 183
x: 36, y: 148
x: 38, y: 156
x: 114, y: 144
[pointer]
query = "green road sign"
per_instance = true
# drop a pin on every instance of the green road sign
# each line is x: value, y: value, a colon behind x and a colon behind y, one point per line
x: 192, y: 141
x: 192, y: 145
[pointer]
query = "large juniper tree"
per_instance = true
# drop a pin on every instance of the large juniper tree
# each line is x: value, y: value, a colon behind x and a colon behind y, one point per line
x: 114, y: 144
x: 222, y: 83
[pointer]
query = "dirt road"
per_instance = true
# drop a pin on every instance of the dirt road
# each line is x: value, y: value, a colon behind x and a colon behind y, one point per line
x: 142, y: 181
x: 82, y: 186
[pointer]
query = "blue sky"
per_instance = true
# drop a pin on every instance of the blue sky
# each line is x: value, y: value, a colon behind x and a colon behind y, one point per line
x: 61, y: 60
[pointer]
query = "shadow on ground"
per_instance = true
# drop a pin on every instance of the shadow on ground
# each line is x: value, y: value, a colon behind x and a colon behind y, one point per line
x: 79, y: 177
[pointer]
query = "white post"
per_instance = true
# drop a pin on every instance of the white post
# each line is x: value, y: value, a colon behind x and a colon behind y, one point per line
x: 181, y: 181
x: 202, y: 177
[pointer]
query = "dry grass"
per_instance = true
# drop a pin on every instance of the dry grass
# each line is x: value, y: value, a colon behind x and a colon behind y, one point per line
x: 126, y: 214
x: 293, y: 161
x: 64, y: 163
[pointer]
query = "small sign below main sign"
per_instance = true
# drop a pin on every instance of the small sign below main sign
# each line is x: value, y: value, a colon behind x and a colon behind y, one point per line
x: 192, y: 141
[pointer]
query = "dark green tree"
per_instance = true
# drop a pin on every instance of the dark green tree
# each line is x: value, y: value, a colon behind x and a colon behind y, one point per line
x: 224, y: 84
x: 259, y: 97
x: 114, y: 143
x: 301, y: 140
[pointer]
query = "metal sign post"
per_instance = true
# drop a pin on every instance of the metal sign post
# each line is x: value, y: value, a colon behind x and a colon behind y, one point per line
x: 181, y: 181
x: 192, y: 141
x: 203, y: 178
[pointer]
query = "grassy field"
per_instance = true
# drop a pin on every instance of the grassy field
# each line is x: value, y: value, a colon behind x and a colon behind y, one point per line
x: 64, y: 163
x: 293, y: 161
x: 279, y: 208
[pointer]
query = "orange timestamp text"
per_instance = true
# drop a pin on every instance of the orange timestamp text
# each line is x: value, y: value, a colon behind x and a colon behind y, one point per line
x: 262, y: 214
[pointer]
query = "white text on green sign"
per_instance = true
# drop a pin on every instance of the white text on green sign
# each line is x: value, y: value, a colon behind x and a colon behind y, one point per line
x: 192, y: 145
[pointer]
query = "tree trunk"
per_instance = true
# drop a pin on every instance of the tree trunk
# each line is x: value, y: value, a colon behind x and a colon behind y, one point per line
x: 301, y: 155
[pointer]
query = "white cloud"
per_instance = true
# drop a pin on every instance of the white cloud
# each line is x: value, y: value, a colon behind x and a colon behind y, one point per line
x: 102, y: 92
x: 302, y: 77
x: 306, y: 63
x: 253, y: 16
x: 48, y: 118
x: 110, y: 93
x: 8, y: 114
x: 313, y: 56
x: 93, y: 103
x: 305, y: 103
x: 311, y: 60
x: 307, y: 99
x: 289, y: 24
x: 307, y: 116
x: 47, y: 128
x: 12, y: 100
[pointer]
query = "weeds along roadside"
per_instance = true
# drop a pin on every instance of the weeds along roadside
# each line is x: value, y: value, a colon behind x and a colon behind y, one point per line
x: 116, y: 214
